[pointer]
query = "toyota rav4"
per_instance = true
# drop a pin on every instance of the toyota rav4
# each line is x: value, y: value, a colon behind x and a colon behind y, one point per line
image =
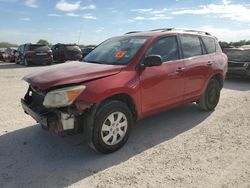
x: 125, y: 79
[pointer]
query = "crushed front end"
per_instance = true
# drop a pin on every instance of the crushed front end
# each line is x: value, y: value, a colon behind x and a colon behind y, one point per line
x: 48, y: 109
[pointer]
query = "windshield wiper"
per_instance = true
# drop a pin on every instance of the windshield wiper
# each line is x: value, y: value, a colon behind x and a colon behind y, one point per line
x: 97, y: 62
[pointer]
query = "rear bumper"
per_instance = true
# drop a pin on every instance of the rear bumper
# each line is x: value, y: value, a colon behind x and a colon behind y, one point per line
x: 40, y: 61
x: 245, y: 71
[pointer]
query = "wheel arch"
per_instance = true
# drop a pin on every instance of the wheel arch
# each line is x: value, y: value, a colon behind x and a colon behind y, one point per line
x: 219, y: 78
x: 125, y: 98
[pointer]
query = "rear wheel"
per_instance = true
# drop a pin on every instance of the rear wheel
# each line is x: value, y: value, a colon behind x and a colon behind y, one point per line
x: 210, y: 98
x: 111, y: 127
x: 16, y: 61
x: 25, y: 62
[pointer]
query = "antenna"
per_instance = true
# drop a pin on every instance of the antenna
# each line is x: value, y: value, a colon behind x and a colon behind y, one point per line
x: 80, y: 33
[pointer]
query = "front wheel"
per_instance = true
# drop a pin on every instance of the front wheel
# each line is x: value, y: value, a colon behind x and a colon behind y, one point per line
x: 211, y: 97
x: 111, y: 128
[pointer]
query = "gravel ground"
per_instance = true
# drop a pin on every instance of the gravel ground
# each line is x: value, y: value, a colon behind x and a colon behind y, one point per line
x: 183, y: 147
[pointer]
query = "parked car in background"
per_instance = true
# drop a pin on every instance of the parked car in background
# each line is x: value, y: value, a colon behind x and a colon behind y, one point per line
x: 125, y: 79
x: 33, y: 54
x: 9, y: 54
x: 238, y: 60
x: 65, y: 52
x: 86, y: 51
x: 1, y: 53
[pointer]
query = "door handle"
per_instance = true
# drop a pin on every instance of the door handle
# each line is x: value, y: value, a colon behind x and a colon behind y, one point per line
x: 210, y: 63
x: 180, y: 69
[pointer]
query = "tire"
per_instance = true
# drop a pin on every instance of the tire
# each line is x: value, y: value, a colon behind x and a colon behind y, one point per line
x: 107, y: 134
x: 210, y: 98
x: 16, y: 61
x: 25, y: 62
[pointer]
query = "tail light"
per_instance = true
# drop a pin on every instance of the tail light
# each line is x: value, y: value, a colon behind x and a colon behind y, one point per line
x: 50, y: 53
x: 29, y: 53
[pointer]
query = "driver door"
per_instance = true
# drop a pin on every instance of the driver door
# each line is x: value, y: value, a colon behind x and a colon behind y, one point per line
x: 162, y: 86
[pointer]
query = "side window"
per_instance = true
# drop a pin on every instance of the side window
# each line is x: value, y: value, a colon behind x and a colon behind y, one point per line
x: 218, y: 48
x: 26, y: 47
x: 209, y: 44
x: 61, y: 47
x: 21, y: 48
x: 166, y: 47
x: 191, y: 45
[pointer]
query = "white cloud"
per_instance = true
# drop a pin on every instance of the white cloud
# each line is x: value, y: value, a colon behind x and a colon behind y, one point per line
x: 63, y: 5
x: 113, y: 10
x: 154, y: 17
x: 89, y: 7
x: 139, y: 18
x: 226, y: 9
x: 72, y: 14
x: 141, y: 10
x: 99, y: 30
x: 161, y: 11
x: 163, y: 17
x: 25, y: 19
x: 54, y: 15
x: 227, y: 34
x: 31, y: 3
x: 89, y: 17
x: 151, y: 14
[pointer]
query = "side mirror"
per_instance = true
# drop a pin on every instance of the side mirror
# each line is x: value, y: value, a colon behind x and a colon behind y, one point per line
x: 152, y: 60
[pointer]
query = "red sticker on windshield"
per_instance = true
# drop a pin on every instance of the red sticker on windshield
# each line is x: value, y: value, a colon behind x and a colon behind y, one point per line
x: 120, y: 54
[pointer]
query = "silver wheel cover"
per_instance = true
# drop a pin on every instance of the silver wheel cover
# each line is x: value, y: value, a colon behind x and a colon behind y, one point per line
x: 114, y: 128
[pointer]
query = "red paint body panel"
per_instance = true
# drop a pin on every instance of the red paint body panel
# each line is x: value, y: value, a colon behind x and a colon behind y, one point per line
x: 70, y: 73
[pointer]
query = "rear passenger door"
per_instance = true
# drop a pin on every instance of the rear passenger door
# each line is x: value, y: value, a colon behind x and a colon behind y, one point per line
x: 162, y: 86
x: 197, y: 65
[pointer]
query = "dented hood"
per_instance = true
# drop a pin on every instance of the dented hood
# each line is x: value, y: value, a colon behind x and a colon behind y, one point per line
x: 70, y: 73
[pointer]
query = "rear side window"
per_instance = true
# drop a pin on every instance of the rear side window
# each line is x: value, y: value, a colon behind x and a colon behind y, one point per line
x: 209, y: 44
x: 73, y: 48
x: 39, y: 47
x: 191, y: 46
x: 166, y: 47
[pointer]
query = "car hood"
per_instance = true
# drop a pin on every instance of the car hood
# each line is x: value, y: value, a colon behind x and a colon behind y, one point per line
x: 70, y: 73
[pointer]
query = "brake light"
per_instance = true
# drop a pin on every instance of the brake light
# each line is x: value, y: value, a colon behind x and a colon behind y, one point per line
x: 29, y: 53
x: 50, y: 53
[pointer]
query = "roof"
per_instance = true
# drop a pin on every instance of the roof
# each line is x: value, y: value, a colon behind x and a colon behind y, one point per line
x: 163, y: 31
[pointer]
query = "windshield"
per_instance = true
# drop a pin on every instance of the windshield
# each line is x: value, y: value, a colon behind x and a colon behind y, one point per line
x: 116, y: 51
x: 238, y: 54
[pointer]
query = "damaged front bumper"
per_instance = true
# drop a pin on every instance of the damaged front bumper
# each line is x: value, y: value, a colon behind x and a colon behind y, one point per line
x: 67, y: 119
x: 56, y: 121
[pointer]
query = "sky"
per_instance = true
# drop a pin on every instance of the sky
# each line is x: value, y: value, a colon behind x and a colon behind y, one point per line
x: 92, y: 21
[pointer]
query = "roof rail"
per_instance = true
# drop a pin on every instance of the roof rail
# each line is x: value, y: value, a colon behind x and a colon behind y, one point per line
x: 132, y: 32
x: 195, y: 31
x: 163, y: 29
x: 172, y: 29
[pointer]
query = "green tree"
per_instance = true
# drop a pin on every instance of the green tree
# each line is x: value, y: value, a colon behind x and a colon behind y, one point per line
x: 224, y: 44
x: 42, y: 41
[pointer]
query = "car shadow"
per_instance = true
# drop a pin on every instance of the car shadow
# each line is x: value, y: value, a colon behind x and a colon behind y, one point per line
x: 18, y: 66
x: 10, y: 66
x: 32, y: 157
x: 237, y: 83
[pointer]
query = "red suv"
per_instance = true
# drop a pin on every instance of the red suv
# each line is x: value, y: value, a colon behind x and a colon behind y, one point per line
x: 125, y: 79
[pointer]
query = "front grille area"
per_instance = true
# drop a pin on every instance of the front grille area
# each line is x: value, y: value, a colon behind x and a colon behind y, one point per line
x: 37, y: 98
x: 236, y: 64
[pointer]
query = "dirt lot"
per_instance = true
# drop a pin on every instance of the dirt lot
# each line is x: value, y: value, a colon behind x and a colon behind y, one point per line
x: 184, y: 147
